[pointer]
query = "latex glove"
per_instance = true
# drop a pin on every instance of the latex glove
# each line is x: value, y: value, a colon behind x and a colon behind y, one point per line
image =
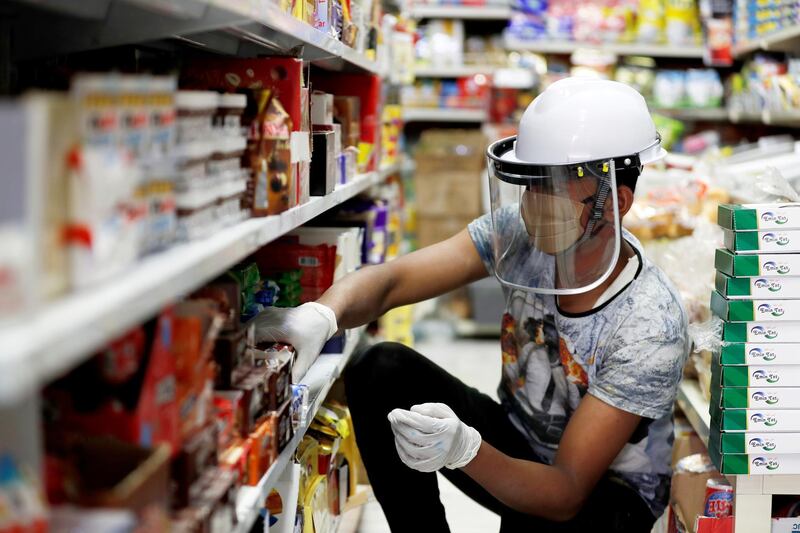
x: 307, y: 327
x: 430, y: 436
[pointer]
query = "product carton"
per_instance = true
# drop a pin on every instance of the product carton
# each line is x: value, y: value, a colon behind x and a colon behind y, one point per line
x: 323, y: 164
x: 759, y: 354
x: 758, y: 287
x: 433, y: 229
x: 759, y: 216
x: 753, y: 442
x: 756, y: 397
x: 755, y: 376
x: 449, y: 193
x: 748, y: 242
x: 756, y: 464
x: 750, y: 310
x: 761, y: 332
x: 763, y: 420
x: 753, y: 265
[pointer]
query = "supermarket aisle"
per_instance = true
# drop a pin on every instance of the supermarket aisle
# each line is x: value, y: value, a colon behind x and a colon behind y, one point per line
x: 476, y: 362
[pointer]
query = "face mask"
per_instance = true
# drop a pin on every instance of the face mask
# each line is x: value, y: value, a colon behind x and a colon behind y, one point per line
x: 553, y: 222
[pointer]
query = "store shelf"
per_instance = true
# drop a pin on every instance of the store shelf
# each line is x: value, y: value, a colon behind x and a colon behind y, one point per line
x: 624, y: 49
x: 771, y: 118
x: 695, y: 407
x: 460, y: 12
x: 453, y: 72
x: 719, y: 114
x: 244, y: 29
x: 781, y: 41
x: 54, y: 339
x: 433, y: 114
x: 319, y: 378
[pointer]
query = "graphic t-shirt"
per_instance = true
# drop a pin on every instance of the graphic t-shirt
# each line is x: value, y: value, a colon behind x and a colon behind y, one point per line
x: 628, y: 352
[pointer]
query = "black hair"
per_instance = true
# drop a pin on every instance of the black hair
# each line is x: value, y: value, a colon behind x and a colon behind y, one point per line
x: 628, y: 177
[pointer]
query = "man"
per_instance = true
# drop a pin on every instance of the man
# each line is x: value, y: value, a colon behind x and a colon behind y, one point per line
x: 593, y: 338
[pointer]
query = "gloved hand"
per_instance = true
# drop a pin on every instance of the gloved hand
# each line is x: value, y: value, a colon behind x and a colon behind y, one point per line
x: 430, y: 436
x: 306, y: 327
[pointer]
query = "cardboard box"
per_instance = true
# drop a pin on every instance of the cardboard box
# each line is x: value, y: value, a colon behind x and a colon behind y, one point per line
x: 761, y: 332
x: 746, y: 242
x: 688, y: 493
x: 754, y: 442
x: 759, y: 354
x: 756, y: 464
x: 323, y: 164
x: 763, y: 420
x: 755, y: 376
x: 431, y: 230
x: 451, y: 151
x: 759, y: 216
x: 448, y: 193
x: 756, y: 397
x: 754, y: 310
x: 752, y: 265
x: 759, y: 287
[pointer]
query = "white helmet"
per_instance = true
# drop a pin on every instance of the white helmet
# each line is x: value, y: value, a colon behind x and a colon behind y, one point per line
x: 586, y: 119
x: 553, y: 187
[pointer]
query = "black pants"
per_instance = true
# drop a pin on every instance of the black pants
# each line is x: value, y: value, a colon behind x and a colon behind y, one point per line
x: 389, y: 376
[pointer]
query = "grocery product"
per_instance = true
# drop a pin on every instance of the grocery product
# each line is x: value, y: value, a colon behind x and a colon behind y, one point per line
x: 755, y: 376
x: 766, y: 353
x: 779, y: 241
x: 756, y: 397
x: 754, y: 310
x: 755, y: 464
x: 728, y: 420
x: 719, y: 498
x: 753, y: 265
x: 755, y: 442
x: 759, y: 216
x: 757, y: 287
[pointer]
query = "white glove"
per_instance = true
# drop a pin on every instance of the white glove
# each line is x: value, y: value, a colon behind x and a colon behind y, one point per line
x: 307, y: 328
x: 430, y: 436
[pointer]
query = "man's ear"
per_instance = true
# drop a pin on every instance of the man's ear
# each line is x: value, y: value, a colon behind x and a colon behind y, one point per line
x: 624, y: 199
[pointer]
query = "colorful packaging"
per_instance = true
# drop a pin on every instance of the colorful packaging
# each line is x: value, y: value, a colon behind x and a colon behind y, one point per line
x: 752, y: 265
x: 719, y: 498
x: 761, y: 217
x: 747, y: 242
x: 754, y: 310
x: 760, y: 287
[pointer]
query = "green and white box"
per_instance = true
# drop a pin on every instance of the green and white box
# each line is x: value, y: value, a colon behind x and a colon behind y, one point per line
x: 761, y: 332
x: 752, y: 242
x: 754, y: 353
x: 755, y: 376
x: 754, y: 442
x: 755, y: 265
x: 754, y: 310
x: 755, y: 464
x: 756, y: 397
x: 759, y: 216
x: 764, y: 420
x: 757, y: 287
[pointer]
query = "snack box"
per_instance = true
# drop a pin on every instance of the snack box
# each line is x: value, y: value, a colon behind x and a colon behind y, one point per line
x: 754, y: 265
x: 753, y: 442
x: 756, y: 397
x: 747, y: 242
x: 753, y: 464
x: 764, y: 420
x: 754, y: 353
x: 755, y: 376
x: 754, y: 310
x: 757, y: 287
x: 759, y: 216
x: 761, y: 332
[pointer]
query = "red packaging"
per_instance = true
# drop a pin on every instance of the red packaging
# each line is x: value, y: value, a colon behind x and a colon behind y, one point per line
x: 229, y: 416
x: 719, y: 498
x: 706, y: 524
x: 317, y: 263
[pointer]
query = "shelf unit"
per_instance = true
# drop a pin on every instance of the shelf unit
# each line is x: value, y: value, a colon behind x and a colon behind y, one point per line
x: 319, y: 378
x: 244, y: 29
x: 625, y: 49
x: 434, y: 114
x: 694, y: 406
x: 785, y: 40
x: 453, y: 72
x: 422, y: 11
x: 54, y: 339
x: 719, y: 114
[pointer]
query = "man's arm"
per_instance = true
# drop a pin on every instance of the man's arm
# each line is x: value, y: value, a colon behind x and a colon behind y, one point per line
x: 365, y: 295
x: 595, y: 435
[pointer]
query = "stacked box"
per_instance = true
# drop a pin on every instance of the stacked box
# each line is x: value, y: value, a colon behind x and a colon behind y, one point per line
x: 755, y: 374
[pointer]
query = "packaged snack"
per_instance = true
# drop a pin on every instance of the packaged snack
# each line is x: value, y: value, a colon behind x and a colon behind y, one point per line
x: 759, y: 354
x: 754, y: 442
x: 755, y: 376
x: 753, y: 265
x: 755, y: 419
x: 719, y: 498
x: 756, y: 464
x: 761, y: 332
x: 754, y: 310
x: 756, y: 398
x: 323, y: 164
x: 748, y: 242
x: 761, y: 287
x: 195, y: 115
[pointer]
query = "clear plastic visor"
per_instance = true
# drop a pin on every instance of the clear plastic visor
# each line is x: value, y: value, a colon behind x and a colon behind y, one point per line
x: 556, y: 229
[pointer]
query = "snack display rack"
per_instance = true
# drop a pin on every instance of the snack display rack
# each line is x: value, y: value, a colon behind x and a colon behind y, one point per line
x: 59, y: 337
x: 625, y: 49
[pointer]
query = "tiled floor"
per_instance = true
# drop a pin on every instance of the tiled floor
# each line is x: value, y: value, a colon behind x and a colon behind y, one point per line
x: 477, y: 363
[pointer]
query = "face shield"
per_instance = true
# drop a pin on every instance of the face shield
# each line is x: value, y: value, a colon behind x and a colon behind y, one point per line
x: 556, y: 228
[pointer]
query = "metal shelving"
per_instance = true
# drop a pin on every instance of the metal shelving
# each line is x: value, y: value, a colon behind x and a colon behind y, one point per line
x: 625, y: 49
x: 52, y: 340
x: 453, y: 72
x: 785, y: 40
x: 422, y: 11
x: 435, y: 114
x: 695, y: 407
x: 319, y: 378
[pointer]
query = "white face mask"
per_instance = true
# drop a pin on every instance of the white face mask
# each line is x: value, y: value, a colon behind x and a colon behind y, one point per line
x: 553, y: 222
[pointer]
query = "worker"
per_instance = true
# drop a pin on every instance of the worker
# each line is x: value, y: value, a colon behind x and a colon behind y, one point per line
x: 593, y: 338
